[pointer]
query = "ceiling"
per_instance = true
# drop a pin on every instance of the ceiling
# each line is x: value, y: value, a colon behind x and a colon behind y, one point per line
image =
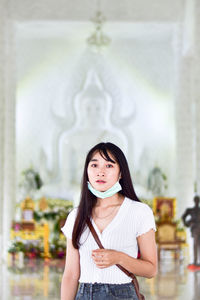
x: 82, y: 10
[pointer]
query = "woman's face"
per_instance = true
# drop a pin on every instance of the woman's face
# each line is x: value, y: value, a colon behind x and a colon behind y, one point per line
x: 102, y: 174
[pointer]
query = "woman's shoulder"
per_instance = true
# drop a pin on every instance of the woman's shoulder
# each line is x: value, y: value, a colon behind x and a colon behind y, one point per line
x: 74, y: 210
x: 73, y: 213
x: 69, y: 223
x: 137, y: 206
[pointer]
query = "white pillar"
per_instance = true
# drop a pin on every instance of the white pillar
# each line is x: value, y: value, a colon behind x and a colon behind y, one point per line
x: 196, y: 83
x: 2, y: 102
x: 185, y: 136
x: 184, y: 116
x: 9, y: 173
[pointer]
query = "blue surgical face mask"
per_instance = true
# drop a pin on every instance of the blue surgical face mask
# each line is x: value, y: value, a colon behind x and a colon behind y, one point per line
x: 110, y: 192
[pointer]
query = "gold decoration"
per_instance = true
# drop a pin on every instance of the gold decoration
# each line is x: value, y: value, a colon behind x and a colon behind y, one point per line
x: 27, y: 207
x: 28, y: 203
x: 40, y: 231
x: 164, y: 208
x: 43, y: 205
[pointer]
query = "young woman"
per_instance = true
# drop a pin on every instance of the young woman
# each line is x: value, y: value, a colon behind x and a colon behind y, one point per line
x: 122, y: 223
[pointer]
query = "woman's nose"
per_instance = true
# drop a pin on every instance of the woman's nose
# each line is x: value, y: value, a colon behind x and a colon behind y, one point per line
x: 101, y: 172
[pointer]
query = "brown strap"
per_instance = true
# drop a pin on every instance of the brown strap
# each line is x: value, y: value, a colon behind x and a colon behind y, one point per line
x: 101, y: 247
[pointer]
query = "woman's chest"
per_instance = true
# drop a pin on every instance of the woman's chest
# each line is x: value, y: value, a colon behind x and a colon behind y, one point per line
x: 118, y: 237
x: 105, y: 218
x: 102, y: 224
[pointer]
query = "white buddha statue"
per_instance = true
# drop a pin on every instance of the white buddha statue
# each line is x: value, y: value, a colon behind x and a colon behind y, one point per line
x: 93, y: 108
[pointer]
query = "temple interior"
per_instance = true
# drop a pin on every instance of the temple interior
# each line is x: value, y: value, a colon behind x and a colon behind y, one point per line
x: 76, y: 73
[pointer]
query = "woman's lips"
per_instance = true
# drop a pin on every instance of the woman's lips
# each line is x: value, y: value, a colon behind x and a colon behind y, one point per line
x: 101, y: 181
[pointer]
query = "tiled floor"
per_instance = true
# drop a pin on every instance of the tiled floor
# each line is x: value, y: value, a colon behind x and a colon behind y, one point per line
x: 37, y: 280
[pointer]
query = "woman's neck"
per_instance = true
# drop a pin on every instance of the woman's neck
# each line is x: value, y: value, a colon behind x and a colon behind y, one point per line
x: 110, y: 201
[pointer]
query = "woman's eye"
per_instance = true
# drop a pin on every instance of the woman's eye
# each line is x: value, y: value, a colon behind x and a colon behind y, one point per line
x: 109, y: 166
x: 93, y: 165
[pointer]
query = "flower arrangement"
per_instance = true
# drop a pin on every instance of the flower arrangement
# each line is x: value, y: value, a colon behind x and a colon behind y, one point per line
x: 51, y: 211
x: 56, y: 212
x: 30, y: 250
x: 30, y: 182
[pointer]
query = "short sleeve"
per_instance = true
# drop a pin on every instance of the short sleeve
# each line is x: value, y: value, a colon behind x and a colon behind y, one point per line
x: 67, y: 229
x: 146, y: 220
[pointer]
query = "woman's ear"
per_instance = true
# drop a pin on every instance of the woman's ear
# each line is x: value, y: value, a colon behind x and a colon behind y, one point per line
x: 120, y: 176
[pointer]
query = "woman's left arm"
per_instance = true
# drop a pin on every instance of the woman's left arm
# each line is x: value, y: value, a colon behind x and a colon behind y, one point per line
x: 146, y: 266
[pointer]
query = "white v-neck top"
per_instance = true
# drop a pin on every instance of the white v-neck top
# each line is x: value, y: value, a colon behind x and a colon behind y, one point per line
x: 132, y: 220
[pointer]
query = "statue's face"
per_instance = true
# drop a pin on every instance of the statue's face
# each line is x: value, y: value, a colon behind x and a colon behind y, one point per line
x: 102, y: 174
x: 196, y: 200
x: 93, y: 110
x: 93, y: 105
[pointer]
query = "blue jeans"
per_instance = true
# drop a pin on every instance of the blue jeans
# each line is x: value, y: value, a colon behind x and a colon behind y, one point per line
x: 102, y: 291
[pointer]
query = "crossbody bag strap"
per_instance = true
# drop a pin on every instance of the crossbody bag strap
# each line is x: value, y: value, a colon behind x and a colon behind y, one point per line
x: 95, y: 235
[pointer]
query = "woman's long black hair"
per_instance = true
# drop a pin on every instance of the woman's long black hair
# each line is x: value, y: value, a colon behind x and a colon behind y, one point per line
x: 88, y: 200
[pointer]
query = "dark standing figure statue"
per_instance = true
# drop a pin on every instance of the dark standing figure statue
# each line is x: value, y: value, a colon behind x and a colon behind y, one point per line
x: 191, y: 218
